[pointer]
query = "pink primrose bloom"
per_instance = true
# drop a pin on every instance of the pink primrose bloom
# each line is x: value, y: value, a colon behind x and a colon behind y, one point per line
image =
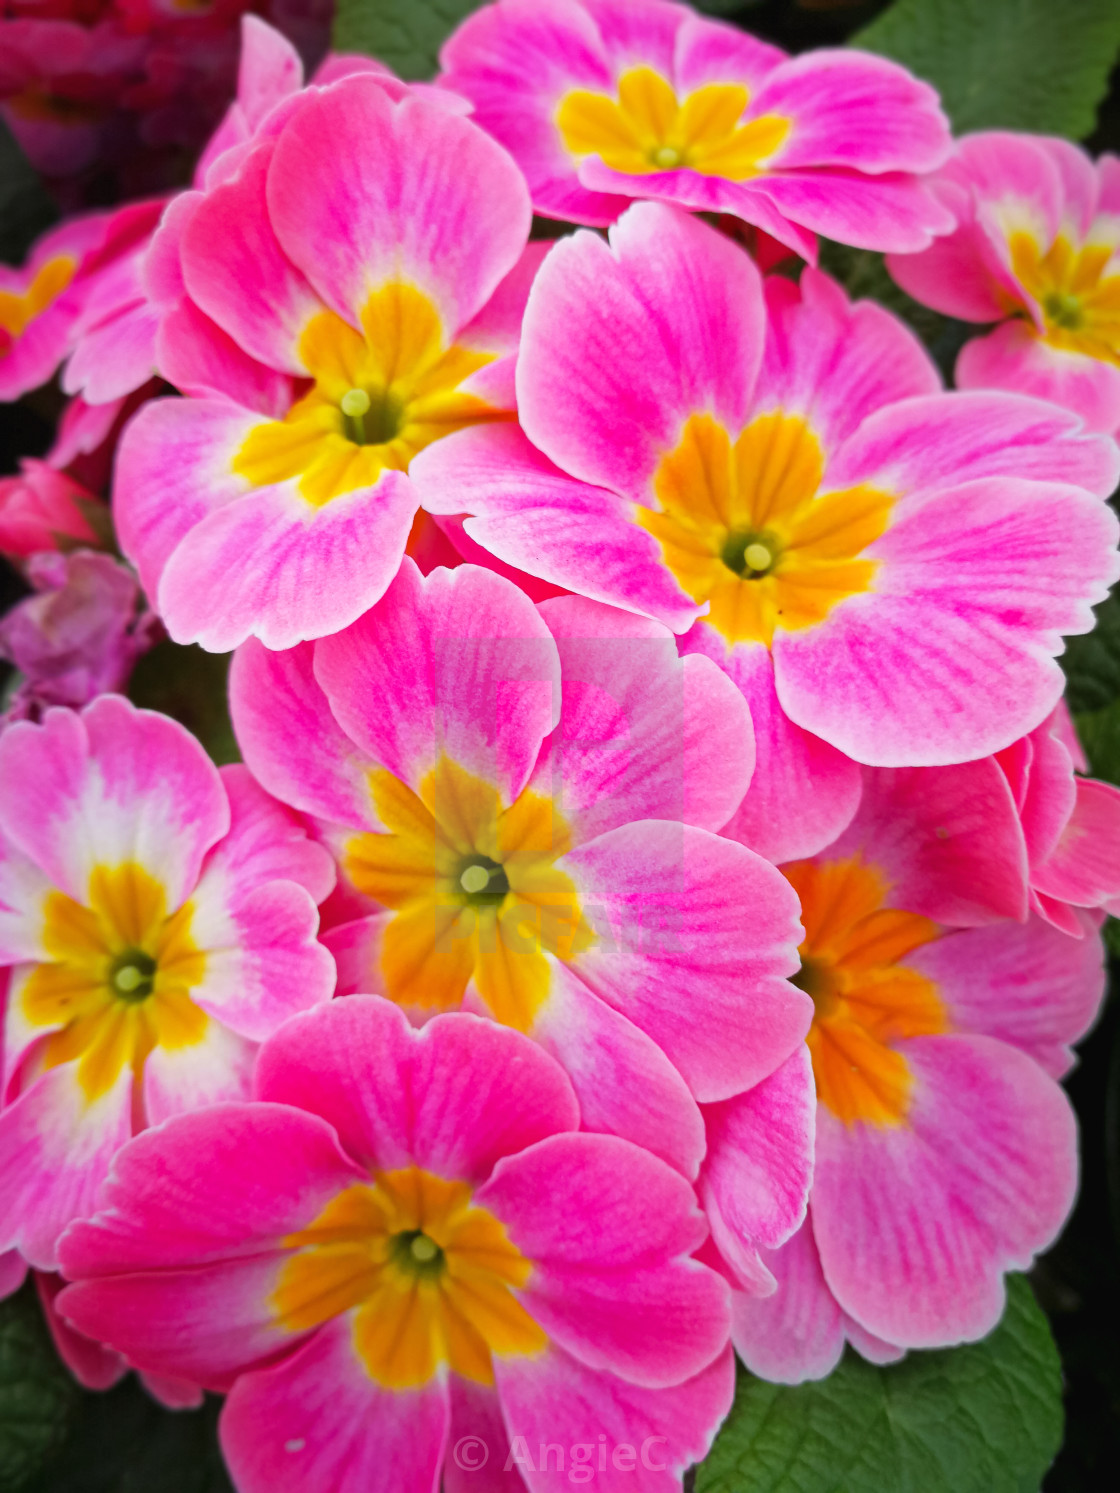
x: 1070, y: 824
x: 41, y: 508
x: 40, y: 303
x: 884, y: 568
x: 78, y: 637
x: 1036, y: 249
x: 946, y: 1151
x: 341, y: 308
x: 159, y: 920
x: 601, y: 101
x: 404, y: 1245
x: 523, y: 802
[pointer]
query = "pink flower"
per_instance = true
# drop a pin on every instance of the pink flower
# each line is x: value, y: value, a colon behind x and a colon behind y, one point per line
x: 42, y: 507
x: 600, y: 101
x: 1035, y: 249
x: 393, y: 279
x: 159, y: 920
x: 946, y: 1151
x: 522, y: 801
x: 1070, y: 825
x: 79, y: 637
x: 402, y: 1244
x: 40, y: 302
x: 885, y: 569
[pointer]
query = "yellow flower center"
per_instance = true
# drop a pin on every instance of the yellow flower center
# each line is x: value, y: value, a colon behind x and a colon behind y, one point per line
x: 432, y: 1277
x: 120, y: 981
x: 475, y: 891
x: 18, y: 309
x: 380, y: 395
x: 866, y: 999
x: 1080, y: 302
x: 647, y: 129
x: 745, y: 528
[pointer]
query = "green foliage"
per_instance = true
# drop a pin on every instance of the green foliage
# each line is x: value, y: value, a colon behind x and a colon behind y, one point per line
x: 123, y: 1442
x: 38, y: 1399
x: 189, y: 684
x: 984, y: 1418
x: 406, y: 34
x: 1039, y: 65
x: 25, y: 207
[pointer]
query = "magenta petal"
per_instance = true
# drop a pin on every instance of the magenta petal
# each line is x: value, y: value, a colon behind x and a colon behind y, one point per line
x: 317, y: 1420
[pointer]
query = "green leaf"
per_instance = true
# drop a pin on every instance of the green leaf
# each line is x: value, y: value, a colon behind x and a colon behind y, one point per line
x: 123, y: 1442
x: 1092, y: 661
x: 406, y: 34
x: 1039, y: 65
x: 984, y: 1418
x: 38, y: 1399
x: 190, y: 685
x: 26, y: 208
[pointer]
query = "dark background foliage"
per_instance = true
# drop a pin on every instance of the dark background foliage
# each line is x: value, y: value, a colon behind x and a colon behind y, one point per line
x: 1042, y: 64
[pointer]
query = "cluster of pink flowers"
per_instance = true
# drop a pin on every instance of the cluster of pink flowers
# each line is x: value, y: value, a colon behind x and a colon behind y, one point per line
x: 661, y: 889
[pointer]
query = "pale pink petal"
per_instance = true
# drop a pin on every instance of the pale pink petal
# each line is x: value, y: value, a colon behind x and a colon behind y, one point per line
x: 1029, y: 984
x: 457, y: 663
x: 533, y: 516
x: 609, y: 1229
x: 173, y: 468
x: 797, y: 1333
x: 945, y: 839
x: 112, y: 784
x: 755, y: 1184
x: 621, y: 1436
x: 1014, y: 357
x: 623, y: 341
x: 194, y: 354
x: 217, y: 1068
x: 290, y: 740
x: 624, y: 1083
x: 55, y: 1149
x: 917, y: 1223
x: 803, y: 792
x: 642, y: 735
x: 437, y: 202
x: 317, y: 1420
x: 453, y: 1097
x: 853, y: 109
x: 835, y: 361
x: 951, y: 656
x: 272, y: 566
x: 675, y: 954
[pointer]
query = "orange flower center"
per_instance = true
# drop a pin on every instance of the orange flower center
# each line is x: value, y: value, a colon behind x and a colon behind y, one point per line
x: 380, y: 395
x: 744, y: 527
x: 431, y: 1276
x: 19, y: 309
x: 1080, y: 301
x: 120, y: 981
x: 647, y: 129
x: 475, y: 891
x: 867, y: 1000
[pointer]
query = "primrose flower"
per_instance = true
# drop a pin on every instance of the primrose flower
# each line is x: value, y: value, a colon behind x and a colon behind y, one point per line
x: 884, y: 568
x: 403, y: 1243
x: 1070, y: 824
x: 78, y: 637
x: 946, y: 1151
x: 41, y: 508
x: 524, y: 797
x: 1036, y: 248
x: 377, y: 275
x: 159, y: 920
x: 600, y: 101
x: 38, y: 305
